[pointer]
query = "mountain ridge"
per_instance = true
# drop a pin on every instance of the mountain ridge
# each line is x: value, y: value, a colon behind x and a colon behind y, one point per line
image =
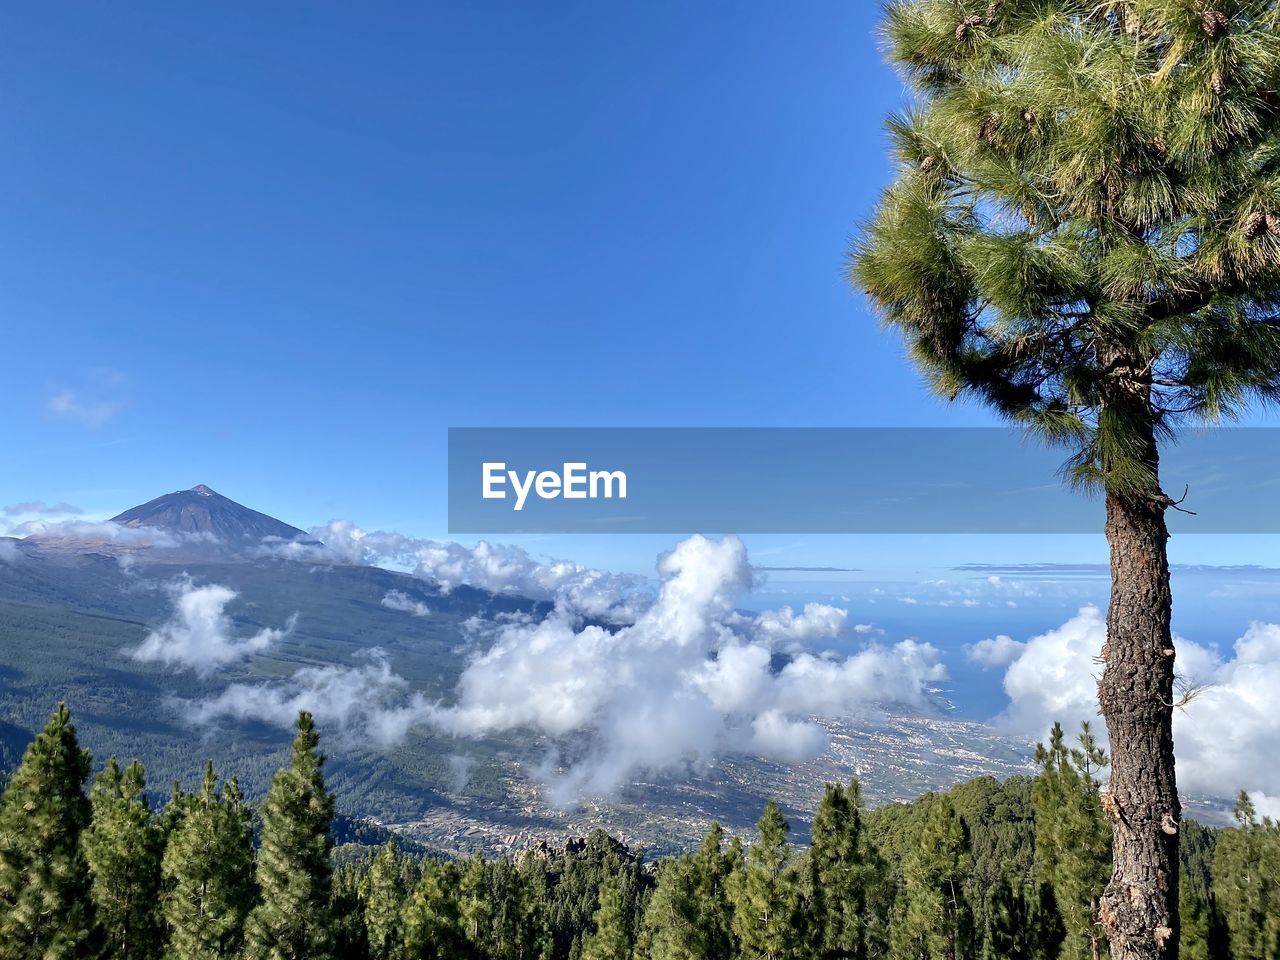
x: 203, y: 511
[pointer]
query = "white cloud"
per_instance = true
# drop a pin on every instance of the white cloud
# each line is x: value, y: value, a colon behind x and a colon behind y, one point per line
x: 498, y: 568
x: 998, y: 651
x: 818, y: 622
x: 100, y: 398
x: 1234, y: 721
x: 369, y: 698
x: 398, y: 600
x: 68, y: 405
x: 9, y: 552
x: 1266, y: 805
x: 987, y: 592
x: 1219, y: 736
x: 775, y: 735
x: 687, y: 680
x: 198, y: 636
x: 1054, y: 678
x: 902, y: 675
x: 42, y: 509
x: 104, y: 530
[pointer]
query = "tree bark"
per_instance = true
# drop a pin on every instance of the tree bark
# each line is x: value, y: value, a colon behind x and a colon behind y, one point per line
x: 1139, y: 909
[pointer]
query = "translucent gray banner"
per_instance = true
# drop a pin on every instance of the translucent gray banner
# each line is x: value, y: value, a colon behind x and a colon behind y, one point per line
x: 827, y: 480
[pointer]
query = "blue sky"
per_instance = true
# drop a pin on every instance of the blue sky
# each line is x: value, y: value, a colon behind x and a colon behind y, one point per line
x: 280, y: 250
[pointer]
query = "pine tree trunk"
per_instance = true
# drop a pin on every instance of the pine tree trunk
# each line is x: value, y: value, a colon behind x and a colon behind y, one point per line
x: 1139, y: 910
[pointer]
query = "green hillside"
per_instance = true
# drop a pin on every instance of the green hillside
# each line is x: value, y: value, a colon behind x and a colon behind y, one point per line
x: 66, y: 622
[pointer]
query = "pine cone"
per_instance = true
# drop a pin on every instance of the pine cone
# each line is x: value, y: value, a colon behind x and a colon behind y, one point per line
x: 992, y: 8
x: 966, y: 25
x: 927, y: 164
x: 1029, y: 116
x: 1213, y: 22
x: 1218, y: 83
x: 989, y: 128
x: 1273, y: 225
x: 1254, y: 224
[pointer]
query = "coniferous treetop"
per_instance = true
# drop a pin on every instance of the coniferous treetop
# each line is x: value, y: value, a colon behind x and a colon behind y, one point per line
x: 1088, y: 194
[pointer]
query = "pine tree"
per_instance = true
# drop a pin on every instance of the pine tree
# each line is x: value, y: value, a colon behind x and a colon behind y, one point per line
x: 538, y: 885
x: 1203, y: 929
x: 936, y: 919
x: 844, y: 870
x: 516, y: 922
x: 1246, y: 882
x: 208, y: 871
x: 410, y: 872
x: 712, y: 867
x: 171, y: 813
x: 347, y: 893
x: 1197, y: 916
x: 610, y: 937
x: 475, y: 905
x: 123, y: 846
x: 1073, y: 840
x: 291, y: 920
x: 766, y: 894
x: 432, y: 916
x: 1006, y: 908
x: 44, y: 881
x: 1023, y: 923
x: 1084, y: 234
x: 690, y: 916
x: 672, y: 927
x: 383, y: 905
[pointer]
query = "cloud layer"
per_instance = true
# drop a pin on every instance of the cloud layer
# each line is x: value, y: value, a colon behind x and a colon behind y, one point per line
x: 1219, y: 737
x: 199, y: 635
x: 105, y: 530
x: 497, y: 568
x: 369, y: 699
x: 687, y: 680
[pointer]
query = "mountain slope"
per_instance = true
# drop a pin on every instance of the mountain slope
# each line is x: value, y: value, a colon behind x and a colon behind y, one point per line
x: 68, y: 625
x: 72, y: 612
x: 201, y: 510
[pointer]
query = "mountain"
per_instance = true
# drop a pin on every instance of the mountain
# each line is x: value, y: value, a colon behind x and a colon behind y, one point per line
x: 201, y: 510
x: 72, y: 612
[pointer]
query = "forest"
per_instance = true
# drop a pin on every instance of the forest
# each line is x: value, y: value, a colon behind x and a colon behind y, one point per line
x: 985, y: 870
